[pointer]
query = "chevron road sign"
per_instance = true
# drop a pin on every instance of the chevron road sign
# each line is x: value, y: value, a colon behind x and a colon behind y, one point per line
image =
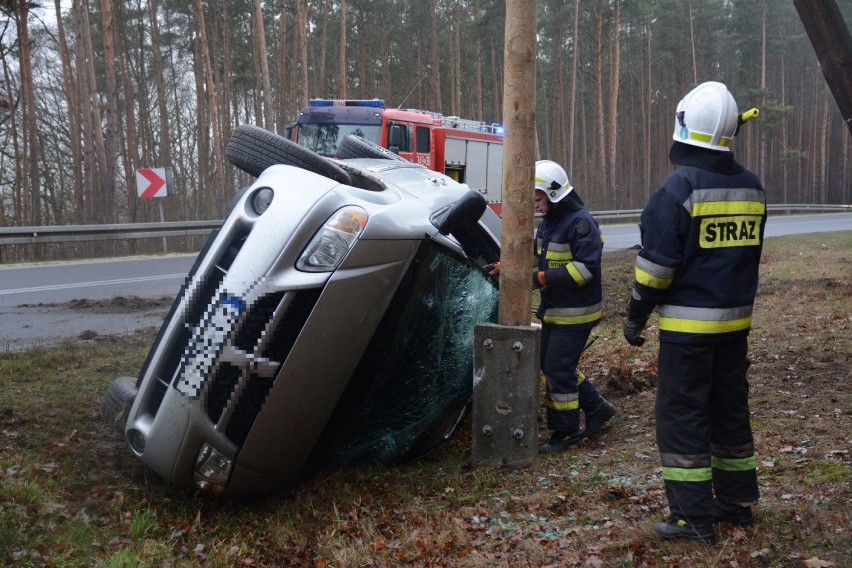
x: 153, y: 182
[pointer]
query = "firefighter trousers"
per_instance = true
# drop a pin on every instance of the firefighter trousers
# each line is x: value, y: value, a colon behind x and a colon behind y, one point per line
x: 567, y: 388
x: 703, y: 430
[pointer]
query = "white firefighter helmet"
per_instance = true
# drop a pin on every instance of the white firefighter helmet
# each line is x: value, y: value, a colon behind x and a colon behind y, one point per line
x: 706, y: 117
x: 552, y: 180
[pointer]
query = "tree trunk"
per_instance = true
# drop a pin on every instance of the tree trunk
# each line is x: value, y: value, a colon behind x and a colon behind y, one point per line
x: 164, y: 155
x: 573, y: 103
x: 363, y: 64
x: 480, y: 108
x: 612, y: 113
x: 265, y: 84
x: 456, y: 50
x: 30, y: 187
x: 322, y: 87
x: 203, y: 131
x: 130, y: 152
x: 301, y: 25
x: 434, y: 102
x: 283, y: 107
x: 111, y: 114
x: 342, y: 79
x: 210, y: 87
x: 69, y: 82
x: 519, y: 163
x: 17, y: 183
x: 600, y: 111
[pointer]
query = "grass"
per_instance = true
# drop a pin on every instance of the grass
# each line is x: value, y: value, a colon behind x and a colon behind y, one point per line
x: 72, y: 494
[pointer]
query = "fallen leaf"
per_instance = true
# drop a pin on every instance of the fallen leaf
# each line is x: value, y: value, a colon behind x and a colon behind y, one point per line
x: 817, y: 563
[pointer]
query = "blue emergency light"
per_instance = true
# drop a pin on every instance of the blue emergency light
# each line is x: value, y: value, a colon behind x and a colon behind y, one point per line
x: 369, y: 103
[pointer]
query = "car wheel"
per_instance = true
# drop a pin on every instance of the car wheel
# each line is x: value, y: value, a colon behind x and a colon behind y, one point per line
x: 253, y: 149
x: 353, y: 146
x: 117, y: 401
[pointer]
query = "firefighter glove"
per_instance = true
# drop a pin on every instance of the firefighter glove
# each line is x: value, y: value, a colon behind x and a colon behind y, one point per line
x: 633, y: 332
x: 538, y: 279
x: 492, y: 269
x: 638, y: 312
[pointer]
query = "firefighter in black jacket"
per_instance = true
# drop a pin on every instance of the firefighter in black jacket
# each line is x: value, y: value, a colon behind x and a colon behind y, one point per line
x: 702, y: 236
x: 568, y: 248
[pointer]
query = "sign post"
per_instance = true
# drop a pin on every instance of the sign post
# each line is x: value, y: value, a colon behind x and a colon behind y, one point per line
x: 155, y: 182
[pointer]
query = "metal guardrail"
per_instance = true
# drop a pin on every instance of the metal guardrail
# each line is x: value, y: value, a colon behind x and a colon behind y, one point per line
x: 71, y: 233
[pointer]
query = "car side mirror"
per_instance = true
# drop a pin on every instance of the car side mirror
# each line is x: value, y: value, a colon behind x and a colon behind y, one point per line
x: 467, y: 210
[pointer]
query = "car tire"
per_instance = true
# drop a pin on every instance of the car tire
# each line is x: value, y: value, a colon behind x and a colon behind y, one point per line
x: 353, y: 146
x: 253, y: 149
x: 117, y: 401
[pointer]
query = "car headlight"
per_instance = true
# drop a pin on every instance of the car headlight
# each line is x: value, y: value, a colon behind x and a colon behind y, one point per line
x: 261, y: 199
x: 331, y: 243
x: 213, y: 467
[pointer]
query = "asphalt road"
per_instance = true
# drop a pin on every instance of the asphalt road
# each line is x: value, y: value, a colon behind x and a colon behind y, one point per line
x: 40, y: 304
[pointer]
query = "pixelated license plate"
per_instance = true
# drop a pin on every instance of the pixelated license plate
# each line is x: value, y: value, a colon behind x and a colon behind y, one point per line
x: 207, y: 343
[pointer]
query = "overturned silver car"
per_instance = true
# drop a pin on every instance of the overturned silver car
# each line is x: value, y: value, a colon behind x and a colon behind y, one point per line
x: 327, y: 322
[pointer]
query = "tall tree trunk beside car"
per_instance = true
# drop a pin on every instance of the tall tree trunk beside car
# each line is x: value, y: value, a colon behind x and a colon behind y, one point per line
x: 209, y: 83
x: 363, y: 63
x: 71, y: 96
x: 477, y: 48
x: 86, y: 113
x: 164, y: 158
x: 301, y: 26
x: 202, y: 132
x: 600, y: 113
x: 612, y: 113
x: 111, y: 112
x: 434, y: 68
x: 282, y: 107
x: 342, y: 71
x: 573, y: 102
x: 30, y: 189
x: 17, y: 198
x: 519, y: 163
x: 98, y: 142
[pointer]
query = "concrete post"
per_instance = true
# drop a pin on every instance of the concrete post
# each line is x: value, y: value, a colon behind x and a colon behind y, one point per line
x: 505, y: 395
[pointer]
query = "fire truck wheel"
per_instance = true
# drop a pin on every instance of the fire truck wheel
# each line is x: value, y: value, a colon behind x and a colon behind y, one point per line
x: 117, y: 401
x: 253, y: 149
x: 356, y: 147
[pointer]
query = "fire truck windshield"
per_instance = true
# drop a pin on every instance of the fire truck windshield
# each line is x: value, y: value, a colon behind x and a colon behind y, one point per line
x: 325, y: 138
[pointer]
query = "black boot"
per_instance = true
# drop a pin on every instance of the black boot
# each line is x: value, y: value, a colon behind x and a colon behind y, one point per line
x: 561, y: 441
x: 598, y: 415
x: 732, y: 513
x: 678, y: 528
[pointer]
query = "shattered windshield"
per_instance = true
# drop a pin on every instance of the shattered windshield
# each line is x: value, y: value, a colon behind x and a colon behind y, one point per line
x: 417, y: 374
x: 325, y: 138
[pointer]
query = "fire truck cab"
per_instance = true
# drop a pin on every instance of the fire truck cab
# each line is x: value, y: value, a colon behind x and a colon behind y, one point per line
x: 468, y: 151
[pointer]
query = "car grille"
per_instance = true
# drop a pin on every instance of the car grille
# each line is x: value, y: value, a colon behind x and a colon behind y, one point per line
x: 268, y: 332
x: 196, y: 304
x: 232, y: 389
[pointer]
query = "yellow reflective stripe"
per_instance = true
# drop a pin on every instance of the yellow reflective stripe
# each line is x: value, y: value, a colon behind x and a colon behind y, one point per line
x: 734, y: 464
x: 557, y: 405
x: 580, y: 376
x: 687, y: 474
x: 575, y: 274
x: 646, y: 279
x: 701, y: 137
x: 573, y: 320
x: 703, y: 209
x: 703, y: 326
x: 557, y: 255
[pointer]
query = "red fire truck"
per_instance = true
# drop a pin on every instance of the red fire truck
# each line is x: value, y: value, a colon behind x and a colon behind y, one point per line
x: 469, y: 151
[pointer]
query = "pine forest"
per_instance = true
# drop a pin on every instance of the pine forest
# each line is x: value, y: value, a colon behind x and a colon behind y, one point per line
x: 91, y: 90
